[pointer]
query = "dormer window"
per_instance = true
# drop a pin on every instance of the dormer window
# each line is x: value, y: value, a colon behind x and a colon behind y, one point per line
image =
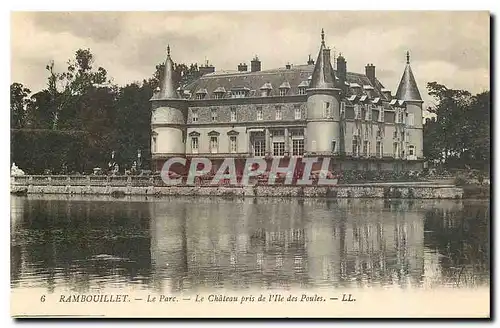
x: 200, y: 94
x: 284, y: 87
x: 303, y: 87
x: 266, y: 89
x: 239, y: 92
x: 219, y: 93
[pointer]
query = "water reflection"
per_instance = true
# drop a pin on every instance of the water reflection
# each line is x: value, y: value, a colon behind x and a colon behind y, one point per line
x: 180, y: 244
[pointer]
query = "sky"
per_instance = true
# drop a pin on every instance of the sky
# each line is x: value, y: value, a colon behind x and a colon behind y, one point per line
x: 451, y: 48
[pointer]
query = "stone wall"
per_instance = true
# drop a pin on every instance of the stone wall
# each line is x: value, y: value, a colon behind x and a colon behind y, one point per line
x: 343, y: 191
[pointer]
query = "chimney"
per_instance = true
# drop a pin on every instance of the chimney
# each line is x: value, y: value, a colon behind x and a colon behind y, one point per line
x: 370, y: 73
x: 342, y: 71
x: 242, y: 67
x: 206, y: 69
x: 255, y: 64
x: 288, y: 66
x: 310, y: 61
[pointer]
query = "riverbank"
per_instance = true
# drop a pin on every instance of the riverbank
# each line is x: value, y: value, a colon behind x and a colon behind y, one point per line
x: 339, y: 191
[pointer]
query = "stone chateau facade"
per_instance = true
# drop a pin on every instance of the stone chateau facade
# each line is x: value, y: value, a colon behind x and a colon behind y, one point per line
x: 298, y: 111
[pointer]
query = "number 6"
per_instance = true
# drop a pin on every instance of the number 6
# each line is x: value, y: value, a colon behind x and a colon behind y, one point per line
x: 42, y: 299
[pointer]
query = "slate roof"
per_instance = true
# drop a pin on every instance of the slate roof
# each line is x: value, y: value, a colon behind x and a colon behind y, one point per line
x: 408, y: 89
x: 295, y: 76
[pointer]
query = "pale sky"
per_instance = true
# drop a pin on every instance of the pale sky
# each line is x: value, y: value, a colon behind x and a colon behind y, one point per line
x: 451, y: 48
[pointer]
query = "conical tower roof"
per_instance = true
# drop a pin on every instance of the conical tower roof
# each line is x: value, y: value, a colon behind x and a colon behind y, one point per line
x: 323, y: 76
x: 167, y: 85
x: 408, y: 89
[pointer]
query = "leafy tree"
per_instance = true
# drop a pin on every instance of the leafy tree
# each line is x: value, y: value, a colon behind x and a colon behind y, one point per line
x: 18, y: 102
x: 459, y: 134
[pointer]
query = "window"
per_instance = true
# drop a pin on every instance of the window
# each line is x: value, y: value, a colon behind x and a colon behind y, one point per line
x: 411, y: 150
x: 395, y: 149
x: 355, y: 147
x: 200, y: 96
x: 334, y: 146
x: 381, y: 114
x: 238, y: 94
x: 357, y: 112
x: 367, y: 132
x: 278, y: 113
x: 259, y: 114
x: 411, y: 119
x: 356, y: 132
x: 298, y: 147
x: 233, y: 114
x: 342, y: 109
x: 365, y: 148
x: 155, y: 149
x: 214, y: 115
x: 214, y: 144
x: 232, y: 144
x: 259, y: 147
x: 194, y: 115
x: 379, y: 149
x: 218, y: 95
x: 327, y: 111
x: 379, y: 133
x: 194, y: 145
x: 402, y: 136
x: 283, y: 92
x: 302, y: 91
x: 278, y: 148
x: 395, y: 135
x: 368, y: 113
x: 298, y: 114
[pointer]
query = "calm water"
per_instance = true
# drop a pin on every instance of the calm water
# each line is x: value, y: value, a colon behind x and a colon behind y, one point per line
x: 195, y: 244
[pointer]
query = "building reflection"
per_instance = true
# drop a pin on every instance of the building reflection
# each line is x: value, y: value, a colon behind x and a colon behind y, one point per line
x: 201, y: 244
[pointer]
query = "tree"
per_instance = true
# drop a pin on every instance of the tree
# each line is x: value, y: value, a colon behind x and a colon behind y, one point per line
x: 459, y: 134
x: 18, y: 102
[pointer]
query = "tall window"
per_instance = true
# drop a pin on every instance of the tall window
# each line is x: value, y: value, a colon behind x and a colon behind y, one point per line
x: 365, y: 147
x: 297, y: 147
x: 260, y: 117
x: 298, y: 114
x: 395, y: 149
x: 155, y: 147
x: 283, y: 92
x: 259, y: 147
x: 232, y: 144
x: 218, y: 95
x: 194, y: 113
x: 302, y: 91
x: 233, y: 114
x: 334, y: 146
x: 411, y: 119
x: 327, y: 110
x: 278, y: 113
x: 381, y: 114
x: 214, y: 115
x: 278, y: 148
x: 379, y: 149
x: 357, y: 112
x: 214, y: 144
x: 355, y: 147
x: 194, y: 145
x: 395, y: 134
x: 368, y: 113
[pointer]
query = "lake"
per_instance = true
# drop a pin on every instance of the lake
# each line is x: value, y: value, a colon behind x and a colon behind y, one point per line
x: 170, y: 245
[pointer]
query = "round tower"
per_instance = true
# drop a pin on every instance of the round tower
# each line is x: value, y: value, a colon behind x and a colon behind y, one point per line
x: 323, y: 107
x: 168, y: 119
x: 408, y: 91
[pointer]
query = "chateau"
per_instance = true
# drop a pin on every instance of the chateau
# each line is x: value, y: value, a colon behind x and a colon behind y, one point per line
x: 298, y: 111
